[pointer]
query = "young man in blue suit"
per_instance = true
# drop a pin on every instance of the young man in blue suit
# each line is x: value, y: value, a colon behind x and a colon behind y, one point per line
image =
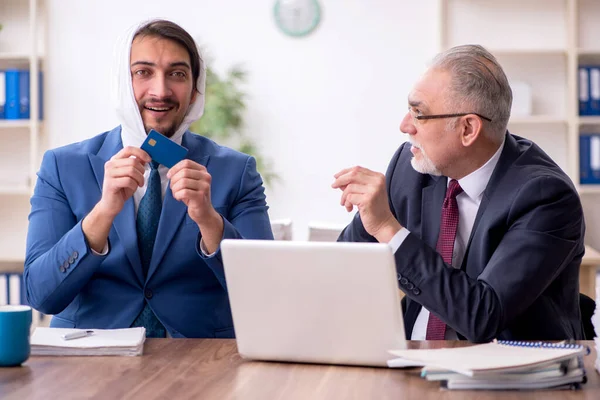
x: 116, y: 240
x: 486, y: 229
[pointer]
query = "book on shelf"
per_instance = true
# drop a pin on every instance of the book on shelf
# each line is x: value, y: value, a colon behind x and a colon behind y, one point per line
x: 502, y: 365
x: 589, y: 158
x: 588, y: 90
x: 15, y: 99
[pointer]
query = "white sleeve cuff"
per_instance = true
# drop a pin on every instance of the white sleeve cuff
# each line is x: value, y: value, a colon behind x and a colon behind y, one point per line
x: 204, y: 251
x: 398, y: 239
x: 104, y: 250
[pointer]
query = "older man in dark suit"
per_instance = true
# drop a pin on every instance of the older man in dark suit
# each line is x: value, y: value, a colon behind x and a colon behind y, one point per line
x: 487, y: 230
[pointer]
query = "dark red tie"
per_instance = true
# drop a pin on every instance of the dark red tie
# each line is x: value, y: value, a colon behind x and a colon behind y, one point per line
x: 436, y: 328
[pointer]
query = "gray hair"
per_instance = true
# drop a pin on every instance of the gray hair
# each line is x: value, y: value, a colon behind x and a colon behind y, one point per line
x: 478, y: 84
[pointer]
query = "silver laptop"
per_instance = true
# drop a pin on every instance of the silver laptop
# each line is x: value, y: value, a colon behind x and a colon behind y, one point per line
x: 314, y: 302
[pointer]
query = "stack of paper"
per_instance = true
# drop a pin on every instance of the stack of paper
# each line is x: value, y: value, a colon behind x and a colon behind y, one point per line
x: 100, y: 342
x: 596, y: 323
x: 501, y: 365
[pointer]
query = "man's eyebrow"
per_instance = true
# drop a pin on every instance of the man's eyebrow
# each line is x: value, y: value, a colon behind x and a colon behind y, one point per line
x: 180, y: 64
x: 415, y: 103
x: 148, y: 63
x: 173, y: 64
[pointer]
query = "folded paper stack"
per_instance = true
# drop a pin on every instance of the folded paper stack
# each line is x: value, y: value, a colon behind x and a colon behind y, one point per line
x: 97, y: 342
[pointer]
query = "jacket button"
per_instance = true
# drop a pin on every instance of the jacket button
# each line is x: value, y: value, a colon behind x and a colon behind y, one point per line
x: 66, y: 265
x: 62, y: 269
x: 403, y: 281
x: 399, y: 276
x: 75, y: 254
x: 148, y: 293
x: 416, y: 291
x: 71, y: 260
x: 410, y: 286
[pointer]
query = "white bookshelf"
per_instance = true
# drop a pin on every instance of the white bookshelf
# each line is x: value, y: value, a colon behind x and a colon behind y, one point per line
x: 18, y: 57
x: 538, y: 120
x: 589, y: 189
x: 15, y: 190
x: 541, y: 42
x: 18, y: 123
x: 21, y: 46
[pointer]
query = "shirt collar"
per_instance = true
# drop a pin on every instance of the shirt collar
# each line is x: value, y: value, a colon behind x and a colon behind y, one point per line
x: 475, y: 183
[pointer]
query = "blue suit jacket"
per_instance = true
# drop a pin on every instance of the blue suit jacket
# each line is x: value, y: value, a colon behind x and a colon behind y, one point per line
x: 186, y: 290
x: 519, y: 277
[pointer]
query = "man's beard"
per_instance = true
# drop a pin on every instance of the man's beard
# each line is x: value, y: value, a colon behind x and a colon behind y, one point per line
x: 168, y: 102
x: 170, y: 131
x: 424, y: 165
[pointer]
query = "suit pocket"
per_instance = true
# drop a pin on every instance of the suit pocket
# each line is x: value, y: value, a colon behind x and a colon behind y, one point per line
x: 58, y: 322
x: 225, y: 333
x: 223, y: 210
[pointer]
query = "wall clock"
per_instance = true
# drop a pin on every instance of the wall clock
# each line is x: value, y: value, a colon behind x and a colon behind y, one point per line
x: 297, y: 17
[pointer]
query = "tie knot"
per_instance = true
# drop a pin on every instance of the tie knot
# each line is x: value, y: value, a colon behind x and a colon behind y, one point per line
x: 454, y: 189
x: 154, y: 164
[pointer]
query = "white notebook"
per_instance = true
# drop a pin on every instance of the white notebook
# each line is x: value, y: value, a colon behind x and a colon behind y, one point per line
x: 494, y: 357
x: 101, y: 342
x: 561, y: 374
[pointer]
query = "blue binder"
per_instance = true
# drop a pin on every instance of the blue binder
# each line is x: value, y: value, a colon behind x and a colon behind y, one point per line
x: 583, y: 88
x: 11, y: 108
x: 585, y: 172
x: 24, y: 94
x: 2, y: 93
x: 594, y: 75
x: 589, y: 158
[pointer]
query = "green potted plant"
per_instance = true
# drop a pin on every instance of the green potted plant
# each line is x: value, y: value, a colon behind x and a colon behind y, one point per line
x: 224, y: 116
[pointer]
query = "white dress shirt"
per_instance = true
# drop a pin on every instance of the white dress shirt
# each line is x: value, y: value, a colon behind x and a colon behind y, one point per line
x: 468, y: 201
x: 129, y: 140
x: 164, y: 181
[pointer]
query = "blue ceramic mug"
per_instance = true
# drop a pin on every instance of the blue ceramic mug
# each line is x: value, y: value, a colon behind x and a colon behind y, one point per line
x: 15, y: 324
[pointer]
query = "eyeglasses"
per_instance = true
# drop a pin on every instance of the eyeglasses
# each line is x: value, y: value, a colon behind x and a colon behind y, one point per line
x: 416, y: 117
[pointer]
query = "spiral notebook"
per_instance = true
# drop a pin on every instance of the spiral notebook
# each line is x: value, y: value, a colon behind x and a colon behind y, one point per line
x: 564, y: 374
x: 493, y: 358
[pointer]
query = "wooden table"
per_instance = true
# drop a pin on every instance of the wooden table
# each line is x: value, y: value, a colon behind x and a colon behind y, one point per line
x: 212, y: 369
x: 588, y: 272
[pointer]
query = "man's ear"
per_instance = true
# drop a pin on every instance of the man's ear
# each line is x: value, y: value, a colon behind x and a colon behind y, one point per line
x: 471, y: 127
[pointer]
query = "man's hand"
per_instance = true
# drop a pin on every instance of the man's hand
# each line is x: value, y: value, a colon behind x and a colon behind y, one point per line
x: 366, y: 190
x: 123, y: 174
x: 190, y: 183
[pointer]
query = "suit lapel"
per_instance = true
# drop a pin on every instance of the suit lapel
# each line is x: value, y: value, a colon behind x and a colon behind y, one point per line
x: 506, y: 160
x: 124, y: 222
x: 173, y: 211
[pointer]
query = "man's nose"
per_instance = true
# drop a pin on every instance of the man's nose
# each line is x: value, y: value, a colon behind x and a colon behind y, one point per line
x: 407, y: 125
x: 159, y: 87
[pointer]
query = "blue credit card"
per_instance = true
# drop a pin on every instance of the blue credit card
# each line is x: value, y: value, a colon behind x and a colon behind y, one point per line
x: 163, y: 150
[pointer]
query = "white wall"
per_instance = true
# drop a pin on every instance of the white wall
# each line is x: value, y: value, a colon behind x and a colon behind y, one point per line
x: 316, y: 104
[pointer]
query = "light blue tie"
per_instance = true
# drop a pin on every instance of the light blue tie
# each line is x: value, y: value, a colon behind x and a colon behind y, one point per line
x: 147, y: 225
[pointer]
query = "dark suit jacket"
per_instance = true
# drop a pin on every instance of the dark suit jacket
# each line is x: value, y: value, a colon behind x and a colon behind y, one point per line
x: 185, y: 289
x: 520, y: 276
